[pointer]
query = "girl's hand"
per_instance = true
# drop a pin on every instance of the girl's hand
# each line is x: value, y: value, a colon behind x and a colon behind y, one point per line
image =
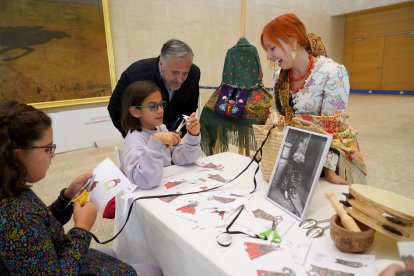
x: 169, y: 139
x: 76, y: 185
x: 193, y: 125
x: 84, y: 217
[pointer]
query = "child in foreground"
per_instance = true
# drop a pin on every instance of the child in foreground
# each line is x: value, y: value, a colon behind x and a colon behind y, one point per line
x: 149, y: 146
x: 33, y: 241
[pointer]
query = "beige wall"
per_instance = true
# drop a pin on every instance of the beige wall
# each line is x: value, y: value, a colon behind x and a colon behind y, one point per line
x: 140, y: 27
x: 210, y: 27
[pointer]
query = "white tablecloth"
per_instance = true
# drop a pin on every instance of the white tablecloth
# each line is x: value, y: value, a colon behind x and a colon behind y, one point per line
x: 154, y: 235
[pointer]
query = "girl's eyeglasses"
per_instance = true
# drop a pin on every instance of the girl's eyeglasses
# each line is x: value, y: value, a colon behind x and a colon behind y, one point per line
x: 49, y: 149
x: 153, y: 107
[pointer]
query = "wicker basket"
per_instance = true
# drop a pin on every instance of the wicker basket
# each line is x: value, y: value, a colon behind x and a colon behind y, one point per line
x: 272, y: 145
x: 270, y: 149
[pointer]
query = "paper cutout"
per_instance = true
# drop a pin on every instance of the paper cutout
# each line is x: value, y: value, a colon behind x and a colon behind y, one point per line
x: 285, y: 272
x: 317, y: 270
x: 258, y: 213
x: 349, y: 263
x: 332, y: 262
x: 170, y: 184
x: 217, y: 177
x: 109, y: 181
x: 212, y: 166
x: 168, y: 199
x: 256, y: 250
x: 189, y: 208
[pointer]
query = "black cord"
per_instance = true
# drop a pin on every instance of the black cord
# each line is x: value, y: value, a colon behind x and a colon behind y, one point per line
x: 254, y: 159
x: 147, y: 197
x: 197, y: 192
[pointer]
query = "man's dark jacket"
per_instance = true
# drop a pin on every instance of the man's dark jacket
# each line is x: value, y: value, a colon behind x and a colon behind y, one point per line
x: 184, y: 101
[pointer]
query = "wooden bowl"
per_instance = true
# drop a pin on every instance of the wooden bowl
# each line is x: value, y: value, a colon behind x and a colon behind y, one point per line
x: 349, y: 241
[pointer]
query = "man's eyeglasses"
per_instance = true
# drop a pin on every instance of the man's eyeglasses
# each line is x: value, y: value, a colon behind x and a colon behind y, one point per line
x: 49, y: 149
x: 153, y: 107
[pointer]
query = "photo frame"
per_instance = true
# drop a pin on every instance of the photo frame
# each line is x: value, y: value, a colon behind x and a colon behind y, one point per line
x: 297, y: 170
x: 56, y: 53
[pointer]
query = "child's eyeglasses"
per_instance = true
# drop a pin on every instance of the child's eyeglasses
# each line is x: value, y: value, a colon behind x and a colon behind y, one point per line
x: 49, y: 149
x: 153, y: 107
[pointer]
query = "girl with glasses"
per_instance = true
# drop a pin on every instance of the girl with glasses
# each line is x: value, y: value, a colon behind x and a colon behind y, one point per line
x: 149, y: 146
x: 33, y: 240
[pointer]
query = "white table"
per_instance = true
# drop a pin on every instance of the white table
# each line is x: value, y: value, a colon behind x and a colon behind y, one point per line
x: 154, y: 235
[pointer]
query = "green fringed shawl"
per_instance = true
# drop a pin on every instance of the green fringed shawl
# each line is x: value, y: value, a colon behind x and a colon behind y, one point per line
x: 241, y: 70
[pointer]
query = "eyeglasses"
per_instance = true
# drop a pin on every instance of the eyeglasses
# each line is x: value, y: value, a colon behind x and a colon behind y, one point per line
x: 153, y: 107
x: 49, y: 149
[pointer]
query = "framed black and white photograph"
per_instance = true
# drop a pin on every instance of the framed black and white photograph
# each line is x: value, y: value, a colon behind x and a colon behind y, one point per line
x: 297, y: 170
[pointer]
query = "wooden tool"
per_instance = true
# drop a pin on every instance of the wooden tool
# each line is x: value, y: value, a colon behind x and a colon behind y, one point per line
x: 384, y: 211
x: 347, y: 221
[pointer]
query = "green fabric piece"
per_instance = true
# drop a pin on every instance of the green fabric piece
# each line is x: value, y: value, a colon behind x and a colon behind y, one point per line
x: 229, y: 131
x: 242, y: 66
x: 242, y: 70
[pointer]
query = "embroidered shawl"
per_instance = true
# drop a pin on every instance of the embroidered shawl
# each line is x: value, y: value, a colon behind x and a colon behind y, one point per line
x: 351, y: 165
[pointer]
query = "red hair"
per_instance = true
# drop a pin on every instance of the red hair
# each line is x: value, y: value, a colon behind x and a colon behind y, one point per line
x: 285, y: 27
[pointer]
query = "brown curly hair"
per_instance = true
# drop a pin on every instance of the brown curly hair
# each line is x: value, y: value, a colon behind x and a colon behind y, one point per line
x: 20, y: 126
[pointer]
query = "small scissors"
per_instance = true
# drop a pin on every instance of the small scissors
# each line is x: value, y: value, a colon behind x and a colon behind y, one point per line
x: 85, y: 186
x: 182, y: 124
x: 271, y: 234
x: 224, y: 239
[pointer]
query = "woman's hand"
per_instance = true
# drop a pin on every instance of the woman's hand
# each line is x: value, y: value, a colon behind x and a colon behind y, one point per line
x: 76, y: 185
x: 169, y: 139
x: 391, y: 270
x: 84, y: 216
x: 193, y: 125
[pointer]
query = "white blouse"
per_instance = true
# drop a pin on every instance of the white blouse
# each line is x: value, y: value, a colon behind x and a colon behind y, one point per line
x: 325, y: 91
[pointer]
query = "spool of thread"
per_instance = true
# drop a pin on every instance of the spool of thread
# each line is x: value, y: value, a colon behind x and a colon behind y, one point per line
x: 347, y: 221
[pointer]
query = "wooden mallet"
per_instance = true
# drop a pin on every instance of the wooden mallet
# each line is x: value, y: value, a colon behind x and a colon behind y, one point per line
x: 347, y: 221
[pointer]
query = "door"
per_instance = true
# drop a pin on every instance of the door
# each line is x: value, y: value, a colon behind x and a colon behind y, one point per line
x: 398, y: 66
x: 366, y: 70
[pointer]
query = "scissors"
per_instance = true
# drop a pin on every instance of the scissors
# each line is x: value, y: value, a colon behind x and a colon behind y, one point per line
x: 85, y: 186
x: 225, y: 238
x: 182, y: 124
x: 271, y: 234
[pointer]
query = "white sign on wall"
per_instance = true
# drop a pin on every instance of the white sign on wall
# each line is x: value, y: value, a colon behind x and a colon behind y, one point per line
x: 78, y: 129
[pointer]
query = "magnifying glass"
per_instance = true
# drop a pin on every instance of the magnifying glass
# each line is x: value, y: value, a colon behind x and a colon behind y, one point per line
x: 224, y: 239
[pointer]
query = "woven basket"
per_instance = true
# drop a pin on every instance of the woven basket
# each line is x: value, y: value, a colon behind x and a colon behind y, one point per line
x: 270, y: 149
x: 273, y: 143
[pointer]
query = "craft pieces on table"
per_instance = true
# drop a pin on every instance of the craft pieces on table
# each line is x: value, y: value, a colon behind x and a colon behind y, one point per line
x: 146, y: 238
x: 210, y: 165
x: 200, y: 179
x: 209, y: 209
x: 333, y: 262
x: 274, y: 259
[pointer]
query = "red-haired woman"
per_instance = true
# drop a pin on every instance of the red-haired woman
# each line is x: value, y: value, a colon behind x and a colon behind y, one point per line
x: 312, y: 87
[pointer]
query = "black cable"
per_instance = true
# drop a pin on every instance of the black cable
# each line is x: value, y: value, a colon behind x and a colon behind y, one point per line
x: 190, y: 193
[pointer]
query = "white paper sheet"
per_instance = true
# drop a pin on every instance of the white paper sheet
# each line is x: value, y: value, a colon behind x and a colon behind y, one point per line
x: 110, y: 181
